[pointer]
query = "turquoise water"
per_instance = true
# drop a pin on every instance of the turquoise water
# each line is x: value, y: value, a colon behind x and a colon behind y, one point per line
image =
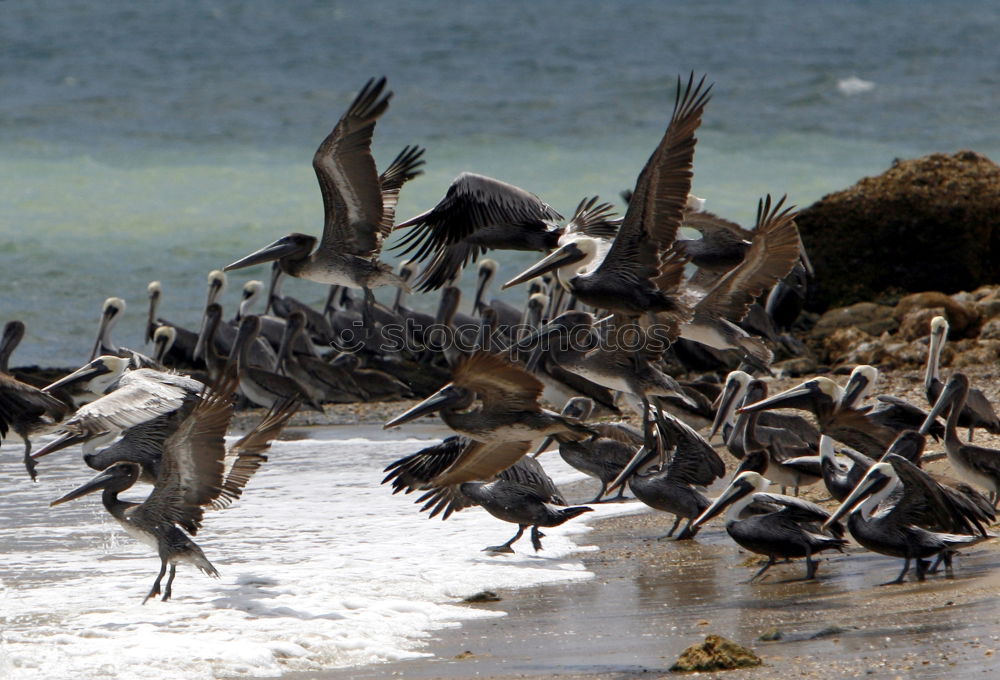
x: 141, y: 143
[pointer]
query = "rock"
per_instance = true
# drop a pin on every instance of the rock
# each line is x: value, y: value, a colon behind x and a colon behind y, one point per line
x: 795, y: 367
x: 844, y: 341
x: 927, y: 223
x: 716, y: 653
x: 917, y: 323
x: 963, y: 322
x: 982, y: 353
x: 990, y: 330
x: 771, y: 635
x: 867, y: 316
x: 484, y: 596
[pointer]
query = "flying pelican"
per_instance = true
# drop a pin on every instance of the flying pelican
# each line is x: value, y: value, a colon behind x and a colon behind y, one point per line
x: 355, y: 216
x: 129, y: 397
x: 640, y: 274
x: 191, y: 477
x: 776, y: 534
x: 978, y: 411
x: 510, y: 414
x: 977, y: 464
x: 900, y: 528
x: 522, y: 494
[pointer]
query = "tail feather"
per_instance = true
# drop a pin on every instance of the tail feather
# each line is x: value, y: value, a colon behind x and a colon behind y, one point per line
x: 565, y: 514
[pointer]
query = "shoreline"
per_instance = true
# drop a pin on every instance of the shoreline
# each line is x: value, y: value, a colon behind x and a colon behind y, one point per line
x: 649, y: 600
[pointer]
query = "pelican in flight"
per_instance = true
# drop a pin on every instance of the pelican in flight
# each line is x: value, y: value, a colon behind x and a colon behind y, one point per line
x: 191, y: 477
x: 356, y: 219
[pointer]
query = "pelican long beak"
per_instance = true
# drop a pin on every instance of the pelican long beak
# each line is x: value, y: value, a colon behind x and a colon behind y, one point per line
x: 560, y: 257
x: 945, y: 399
x: 98, y: 483
x: 795, y: 397
x: 101, y: 330
x: 443, y: 398
x: 63, y: 441
x: 274, y: 251
x: 726, y: 407
x: 868, y: 485
x: 854, y: 390
x: 83, y: 374
x: 736, y: 490
x: 641, y: 457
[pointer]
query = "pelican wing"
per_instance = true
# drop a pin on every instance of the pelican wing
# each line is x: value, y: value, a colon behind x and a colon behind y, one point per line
x: 479, y: 460
x: 19, y: 401
x: 528, y: 472
x: 694, y: 461
x: 403, y: 168
x: 447, y: 265
x: 501, y: 385
x: 927, y: 503
x: 714, y: 228
x: 416, y: 470
x: 593, y: 219
x: 772, y: 254
x: 472, y: 202
x: 192, y: 468
x: 798, y: 509
x: 661, y: 192
x: 352, y: 199
x: 245, y: 457
x: 141, y: 395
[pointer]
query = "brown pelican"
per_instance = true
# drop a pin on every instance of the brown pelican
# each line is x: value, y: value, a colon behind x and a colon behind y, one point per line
x: 508, y: 315
x: 510, y: 414
x: 889, y: 411
x: 734, y: 394
x: 907, y: 524
x: 355, y: 216
x: 640, y: 274
x: 824, y: 398
x: 522, y: 494
x: 13, y: 333
x: 978, y: 411
x: 181, y: 349
x: 779, y: 533
x: 321, y: 380
x: 977, y: 464
x: 163, y: 339
x: 373, y: 384
x: 263, y: 387
x: 25, y: 409
x: 478, y: 213
x: 111, y: 311
x: 190, y: 478
x: 693, y: 463
x: 772, y: 254
x: 841, y: 477
x: 129, y: 397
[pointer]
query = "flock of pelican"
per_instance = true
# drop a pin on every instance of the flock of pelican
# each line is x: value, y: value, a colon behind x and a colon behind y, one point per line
x: 613, y: 303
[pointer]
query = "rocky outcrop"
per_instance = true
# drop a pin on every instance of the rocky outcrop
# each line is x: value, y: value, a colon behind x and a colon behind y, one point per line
x: 932, y: 223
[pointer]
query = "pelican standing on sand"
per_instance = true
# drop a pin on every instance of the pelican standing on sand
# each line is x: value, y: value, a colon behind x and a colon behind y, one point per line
x: 353, y: 206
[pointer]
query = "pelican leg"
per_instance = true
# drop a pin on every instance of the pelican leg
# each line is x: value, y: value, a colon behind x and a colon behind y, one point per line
x: 946, y: 557
x: 972, y: 432
x: 29, y: 462
x: 677, y: 522
x: 687, y: 533
x: 506, y: 547
x: 770, y: 563
x: 155, y: 590
x: 811, y: 565
x: 170, y: 582
x: 902, y: 574
x: 536, y: 538
x: 922, y: 569
x: 603, y: 490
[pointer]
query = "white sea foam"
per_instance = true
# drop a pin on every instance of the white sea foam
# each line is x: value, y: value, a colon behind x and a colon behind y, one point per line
x: 321, y: 567
x: 854, y: 85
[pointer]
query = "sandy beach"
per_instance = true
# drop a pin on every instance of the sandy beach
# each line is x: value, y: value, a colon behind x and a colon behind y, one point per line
x: 650, y: 599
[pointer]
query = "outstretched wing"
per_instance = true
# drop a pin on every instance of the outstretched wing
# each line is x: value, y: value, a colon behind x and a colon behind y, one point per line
x: 501, y: 385
x: 352, y: 198
x: 403, y: 168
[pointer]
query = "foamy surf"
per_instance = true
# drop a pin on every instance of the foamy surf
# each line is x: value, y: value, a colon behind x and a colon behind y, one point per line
x: 321, y: 568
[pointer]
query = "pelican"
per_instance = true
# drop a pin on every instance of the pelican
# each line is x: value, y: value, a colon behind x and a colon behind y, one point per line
x: 900, y: 528
x: 510, y: 413
x: 779, y: 533
x: 508, y: 316
x: 111, y: 311
x: 977, y: 464
x: 321, y: 380
x: 889, y: 411
x: 261, y: 386
x: 164, y: 338
x: 772, y: 254
x: 522, y: 494
x: 25, y: 409
x: 355, y: 217
x: 182, y: 346
x: 733, y: 395
x: 129, y: 397
x: 477, y: 213
x: 693, y: 463
x: 640, y: 275
x: 191, y: 477
x: 978, y: 411
x: 13, y: 333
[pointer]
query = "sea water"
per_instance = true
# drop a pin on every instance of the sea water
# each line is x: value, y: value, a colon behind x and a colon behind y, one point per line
x: 158, y: 142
